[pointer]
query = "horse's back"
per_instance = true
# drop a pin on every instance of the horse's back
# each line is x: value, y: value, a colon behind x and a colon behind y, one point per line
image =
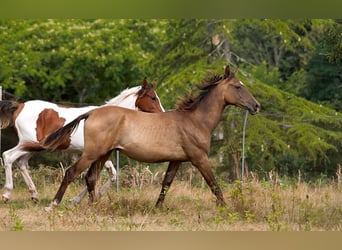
x: 133, y: 132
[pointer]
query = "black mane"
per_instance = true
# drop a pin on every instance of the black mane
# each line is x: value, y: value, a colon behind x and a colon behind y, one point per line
x: 191, y: 102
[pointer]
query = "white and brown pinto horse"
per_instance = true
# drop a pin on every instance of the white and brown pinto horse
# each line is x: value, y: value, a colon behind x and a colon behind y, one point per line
x: 175, y: 136
x: 36, y: 119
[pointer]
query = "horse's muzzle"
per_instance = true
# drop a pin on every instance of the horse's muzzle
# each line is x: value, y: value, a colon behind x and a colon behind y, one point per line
x: 255, y: 108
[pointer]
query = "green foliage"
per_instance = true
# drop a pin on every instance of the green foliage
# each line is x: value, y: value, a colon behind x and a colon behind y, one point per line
x: 281, y: 43
x: 88, y: 61
x: 75, y: 60
x: 324, y: 70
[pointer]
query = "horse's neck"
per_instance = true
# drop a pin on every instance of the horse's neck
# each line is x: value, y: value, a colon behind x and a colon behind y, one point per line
x: 209, y: 111
x: 126, y: 99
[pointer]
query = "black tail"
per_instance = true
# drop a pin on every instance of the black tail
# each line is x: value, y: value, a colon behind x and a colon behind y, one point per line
x: 62, y: 135
x: 7, y: 109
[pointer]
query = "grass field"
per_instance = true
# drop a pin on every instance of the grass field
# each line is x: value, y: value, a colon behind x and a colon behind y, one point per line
x: 254, y: 205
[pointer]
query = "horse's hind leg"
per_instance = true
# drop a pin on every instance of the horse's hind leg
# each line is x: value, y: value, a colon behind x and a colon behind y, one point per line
x: 93, y: 174
x: 169, y: 176
x: 24, y: 169
x: 112, y: 177
x: 71, y: 173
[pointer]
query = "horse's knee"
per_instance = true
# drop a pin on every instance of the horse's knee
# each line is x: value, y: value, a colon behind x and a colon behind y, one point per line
x: 7, y: 159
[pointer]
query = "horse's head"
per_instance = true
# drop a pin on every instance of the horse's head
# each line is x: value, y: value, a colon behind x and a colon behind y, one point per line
x: 148, y: 100
x: 236, y: 93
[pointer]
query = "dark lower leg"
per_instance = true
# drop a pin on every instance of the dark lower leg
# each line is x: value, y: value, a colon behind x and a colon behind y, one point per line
x: 215, y: 188
x: 208, y: 175
x: 69, y: 177
x: 93, y: 174
x: 91, y: 178
x: 169, y: 176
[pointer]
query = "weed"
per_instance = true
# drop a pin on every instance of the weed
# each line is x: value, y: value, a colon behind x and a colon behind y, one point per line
x: 274, y: 218
x: 18, y: 223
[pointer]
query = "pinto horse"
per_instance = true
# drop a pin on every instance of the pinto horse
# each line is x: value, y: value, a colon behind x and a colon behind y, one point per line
x: 175, y: 136
x: 36, y: 119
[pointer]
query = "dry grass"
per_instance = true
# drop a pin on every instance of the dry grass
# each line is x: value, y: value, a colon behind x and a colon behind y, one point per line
x: 252, y: 206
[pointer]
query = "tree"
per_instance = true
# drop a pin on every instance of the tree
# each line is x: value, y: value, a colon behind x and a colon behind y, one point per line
x: 75, y: 60
x: 281, y: 43
x: 324, y: 70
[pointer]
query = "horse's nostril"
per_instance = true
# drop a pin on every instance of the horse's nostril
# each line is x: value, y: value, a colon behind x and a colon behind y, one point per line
x: 257, y: 107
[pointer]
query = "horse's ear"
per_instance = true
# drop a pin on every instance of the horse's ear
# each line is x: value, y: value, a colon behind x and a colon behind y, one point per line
x: 227, y: 72
x: 153, y: 83
x: 236, y: 71
x: 145, y: 83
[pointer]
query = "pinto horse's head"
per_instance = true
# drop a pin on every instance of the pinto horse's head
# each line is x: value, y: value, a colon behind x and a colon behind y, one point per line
x: 148, y: 100
x: 236, y: 93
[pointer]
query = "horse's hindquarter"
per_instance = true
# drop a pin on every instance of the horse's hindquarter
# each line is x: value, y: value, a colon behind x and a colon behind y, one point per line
x: 34, y: 121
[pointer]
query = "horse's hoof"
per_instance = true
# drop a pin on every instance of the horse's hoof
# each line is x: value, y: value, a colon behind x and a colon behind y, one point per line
x: 74, y: 201
x: 48, y: 209
x: 35, y: 199
x: 5, y: 199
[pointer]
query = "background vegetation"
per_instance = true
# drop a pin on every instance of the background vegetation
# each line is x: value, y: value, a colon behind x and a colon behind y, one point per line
x: 293, y: 67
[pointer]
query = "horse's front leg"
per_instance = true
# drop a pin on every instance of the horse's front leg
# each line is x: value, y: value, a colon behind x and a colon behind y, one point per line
x: 9, y: 158
x: 203, y: 165
x: 169, y: 176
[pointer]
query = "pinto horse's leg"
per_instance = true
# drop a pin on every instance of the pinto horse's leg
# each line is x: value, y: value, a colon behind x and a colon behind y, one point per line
x: 10, y: 157
x: 203, y: 165
x: 169, y: 176
x: 23, y: 165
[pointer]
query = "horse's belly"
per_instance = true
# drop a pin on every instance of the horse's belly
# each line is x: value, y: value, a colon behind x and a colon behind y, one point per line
x: 145, y: 153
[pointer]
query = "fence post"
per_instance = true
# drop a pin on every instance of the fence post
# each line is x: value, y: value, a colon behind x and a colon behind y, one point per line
x: 243, y: 146
x: 117, y: 170
x: 0, y: 130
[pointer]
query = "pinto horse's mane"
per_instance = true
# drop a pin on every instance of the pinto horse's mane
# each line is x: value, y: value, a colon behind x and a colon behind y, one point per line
x: 124, y: 94
x: 191, y: 102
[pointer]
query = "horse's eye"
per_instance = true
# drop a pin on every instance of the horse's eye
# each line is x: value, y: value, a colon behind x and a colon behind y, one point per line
x: 238, y: 87
x: 153, y: 98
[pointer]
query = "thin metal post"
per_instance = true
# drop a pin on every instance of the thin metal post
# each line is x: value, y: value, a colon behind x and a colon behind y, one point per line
x: 0, y: 130
x: 117, y: 170
x: 243, y: 147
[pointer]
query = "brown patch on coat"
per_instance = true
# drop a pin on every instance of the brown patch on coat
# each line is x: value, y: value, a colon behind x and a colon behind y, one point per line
x: 48, y: 122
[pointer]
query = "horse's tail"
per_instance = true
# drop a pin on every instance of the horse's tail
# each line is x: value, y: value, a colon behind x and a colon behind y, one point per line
x: 57, y: 140
x: 7, y: 109
x: 54, y: 140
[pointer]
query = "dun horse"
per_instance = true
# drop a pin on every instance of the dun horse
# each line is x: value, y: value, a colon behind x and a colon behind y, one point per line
x: 175, y: 136
x: 34, y: 120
